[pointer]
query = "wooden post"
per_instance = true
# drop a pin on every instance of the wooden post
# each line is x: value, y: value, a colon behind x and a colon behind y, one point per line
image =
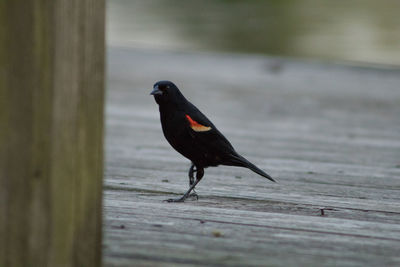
x: 51, y: 132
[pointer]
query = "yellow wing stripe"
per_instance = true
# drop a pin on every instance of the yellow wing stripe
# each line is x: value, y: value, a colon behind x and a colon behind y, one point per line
x: 197, y: 127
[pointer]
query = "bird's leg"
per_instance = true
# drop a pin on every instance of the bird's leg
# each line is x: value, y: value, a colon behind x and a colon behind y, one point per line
x: 192, y: 170
x: 199, y: 175
x: 191, y: 177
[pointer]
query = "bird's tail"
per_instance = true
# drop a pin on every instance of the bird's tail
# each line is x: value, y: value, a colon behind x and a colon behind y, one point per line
x: 240, y: 161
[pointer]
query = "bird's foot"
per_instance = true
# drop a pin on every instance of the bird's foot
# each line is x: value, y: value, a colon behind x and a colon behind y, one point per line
x: 184, y: 197
x: 194, y: 195
x: 181, y: 199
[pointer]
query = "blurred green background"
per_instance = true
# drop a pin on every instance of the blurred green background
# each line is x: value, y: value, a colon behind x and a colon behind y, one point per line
x: 365, y: 31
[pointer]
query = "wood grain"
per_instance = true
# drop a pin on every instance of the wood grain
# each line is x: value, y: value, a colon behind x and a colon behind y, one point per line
x: 328, y: 133
x: 51, y: 141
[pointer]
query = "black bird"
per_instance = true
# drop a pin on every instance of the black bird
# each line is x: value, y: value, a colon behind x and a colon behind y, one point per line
x: 193, y: 135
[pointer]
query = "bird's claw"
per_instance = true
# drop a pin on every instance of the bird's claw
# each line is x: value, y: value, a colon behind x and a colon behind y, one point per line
x: 181, y: 199
x: 194, y: 195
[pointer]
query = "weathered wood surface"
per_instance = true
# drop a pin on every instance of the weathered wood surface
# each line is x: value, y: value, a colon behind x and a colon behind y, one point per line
x: 328, y: 133
x: 51, y: 132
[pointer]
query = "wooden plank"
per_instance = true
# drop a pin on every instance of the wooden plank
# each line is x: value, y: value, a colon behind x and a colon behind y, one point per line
x: 247, y: 237
x: 51, y: 91
x: 324, y: 131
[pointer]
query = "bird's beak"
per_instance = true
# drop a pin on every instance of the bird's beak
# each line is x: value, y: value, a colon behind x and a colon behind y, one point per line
x: 156, y: 91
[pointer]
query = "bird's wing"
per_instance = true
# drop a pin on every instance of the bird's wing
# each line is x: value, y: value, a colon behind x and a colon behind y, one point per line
x: 205, y: 133
x: 196, y: 119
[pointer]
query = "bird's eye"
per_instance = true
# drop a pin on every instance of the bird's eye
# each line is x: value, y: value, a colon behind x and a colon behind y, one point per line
x: 163, y: 87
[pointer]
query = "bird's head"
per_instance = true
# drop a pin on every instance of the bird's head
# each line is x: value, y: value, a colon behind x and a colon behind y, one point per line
x: 166, y: 92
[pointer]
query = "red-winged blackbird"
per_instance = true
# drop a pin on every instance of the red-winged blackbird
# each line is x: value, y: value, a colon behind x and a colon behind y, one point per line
x: 193, y: 135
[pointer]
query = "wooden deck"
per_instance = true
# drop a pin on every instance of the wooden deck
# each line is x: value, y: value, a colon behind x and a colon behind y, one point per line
x: 328, y: 133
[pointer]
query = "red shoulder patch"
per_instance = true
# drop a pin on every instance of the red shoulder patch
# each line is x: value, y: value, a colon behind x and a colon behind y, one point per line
x: 197, y: 127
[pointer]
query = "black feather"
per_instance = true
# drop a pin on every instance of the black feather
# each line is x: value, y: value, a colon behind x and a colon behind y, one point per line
x: 193, y: 135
